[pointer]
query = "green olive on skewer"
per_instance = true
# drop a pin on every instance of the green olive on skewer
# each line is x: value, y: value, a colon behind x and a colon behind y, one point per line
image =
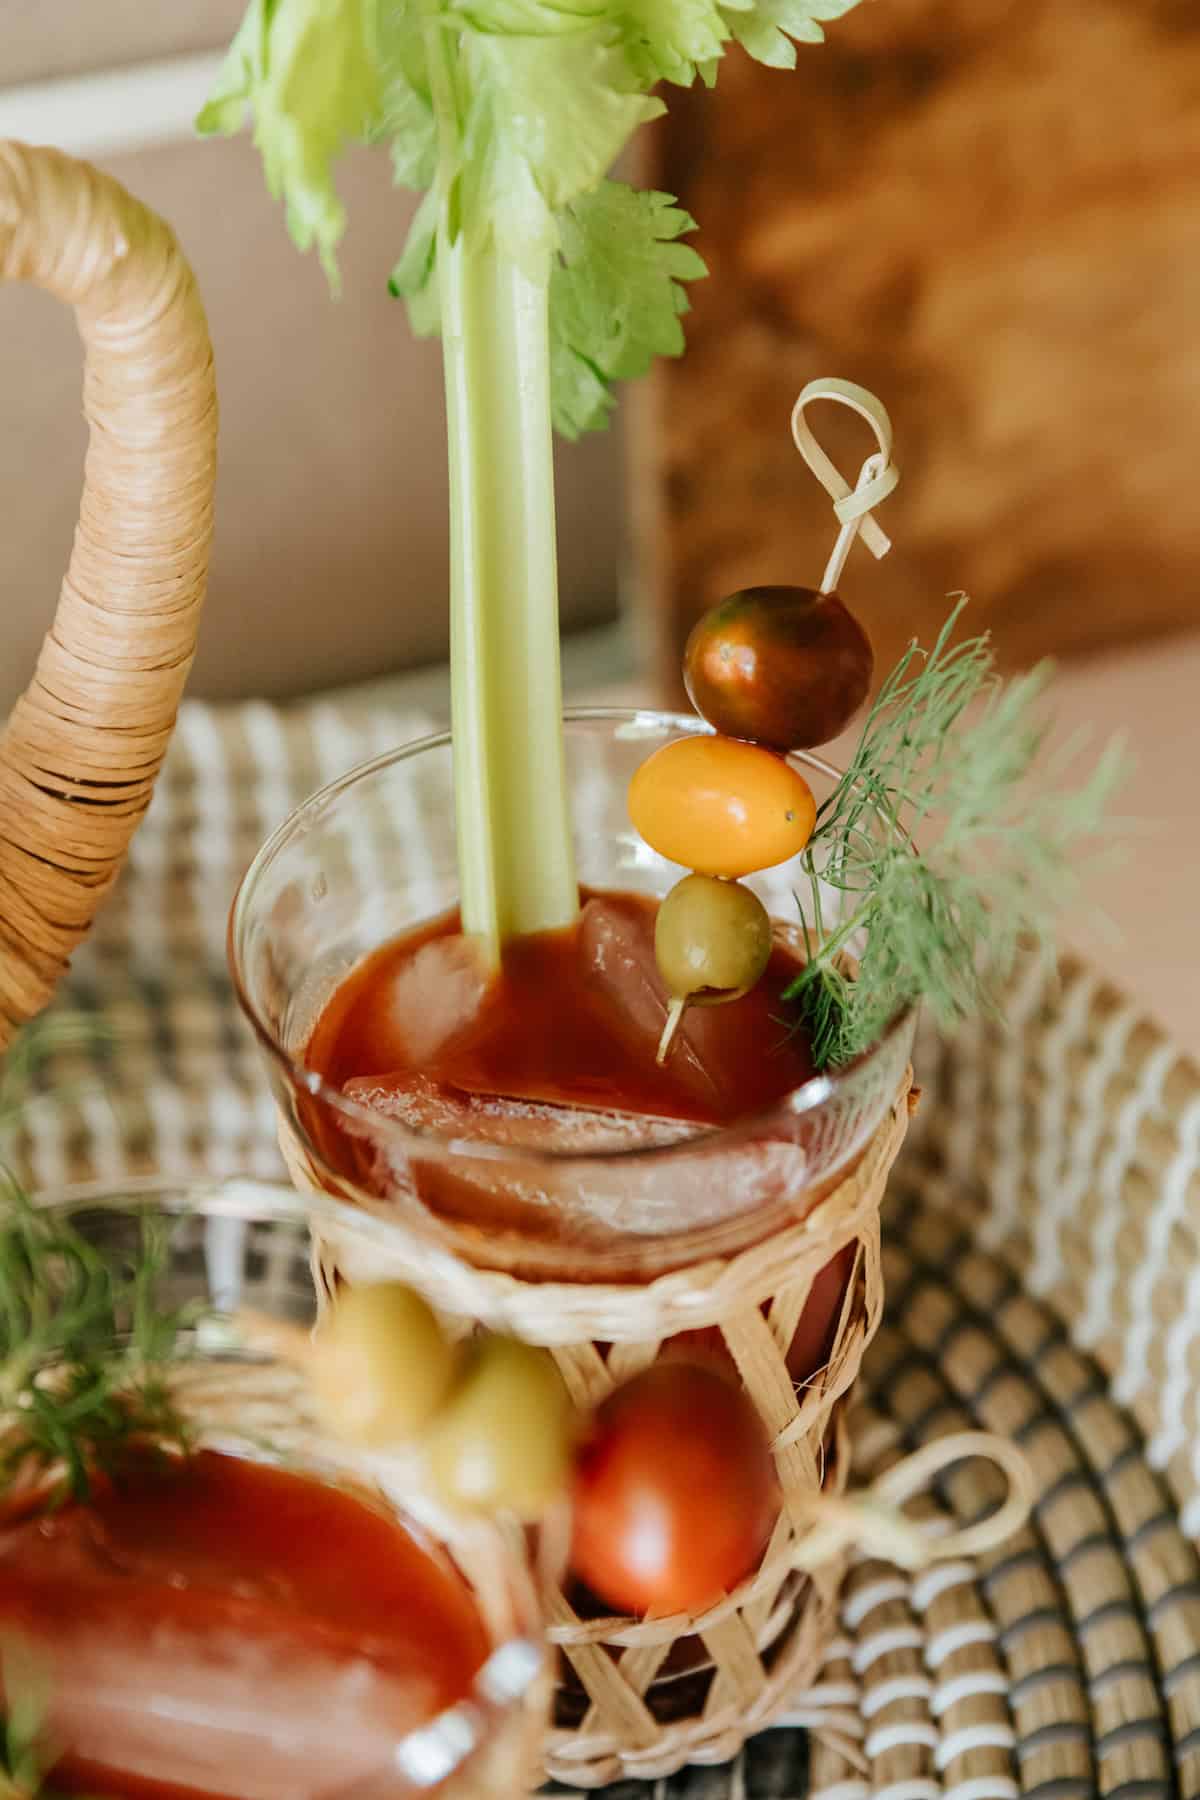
x: 712, y: 942
x: 380, y: 1365
x: 505, y: 1440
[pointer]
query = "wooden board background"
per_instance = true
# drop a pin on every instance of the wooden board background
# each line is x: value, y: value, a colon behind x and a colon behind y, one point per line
x: 989, y: 213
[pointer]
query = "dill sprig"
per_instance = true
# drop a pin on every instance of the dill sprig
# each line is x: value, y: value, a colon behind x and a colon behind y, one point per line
x: 84, y: 1343
x: 83, y: 1337
x: 27, y: 1751
x: 25, y: 1754
x: 946, y: 856
x: 33, y: 1047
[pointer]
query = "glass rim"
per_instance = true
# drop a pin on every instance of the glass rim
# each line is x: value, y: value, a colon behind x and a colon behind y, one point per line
x: 799, y: 1102
x: 435, y: 1751
x: 274, y: 1202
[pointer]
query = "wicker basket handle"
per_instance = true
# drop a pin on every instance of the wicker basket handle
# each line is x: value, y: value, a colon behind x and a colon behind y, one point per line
x: 80, y: 753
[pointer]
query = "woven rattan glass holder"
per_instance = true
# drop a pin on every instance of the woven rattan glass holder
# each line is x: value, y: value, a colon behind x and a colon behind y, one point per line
x: 760, y: 1243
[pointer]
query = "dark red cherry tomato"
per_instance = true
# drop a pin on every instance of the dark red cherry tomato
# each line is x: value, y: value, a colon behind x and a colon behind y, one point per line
x: 782, y: 666
x: 675, y: 1493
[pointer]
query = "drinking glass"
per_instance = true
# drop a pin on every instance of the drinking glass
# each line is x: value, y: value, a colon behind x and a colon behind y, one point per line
x: 234, y: 1258
x: 372, y: 856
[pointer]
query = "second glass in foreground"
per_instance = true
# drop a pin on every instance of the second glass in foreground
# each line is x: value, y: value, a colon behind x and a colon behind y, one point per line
x: 221, y: 1597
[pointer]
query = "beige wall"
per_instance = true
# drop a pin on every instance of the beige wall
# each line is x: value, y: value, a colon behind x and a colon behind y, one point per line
x: 330, y: 561
x: 41, y: 39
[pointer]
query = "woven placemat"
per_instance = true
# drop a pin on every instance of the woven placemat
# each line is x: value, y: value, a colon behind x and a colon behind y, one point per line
x: 1043, y: 1269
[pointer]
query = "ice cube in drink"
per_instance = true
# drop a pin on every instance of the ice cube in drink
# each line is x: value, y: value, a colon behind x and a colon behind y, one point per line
x: 544, y: 1119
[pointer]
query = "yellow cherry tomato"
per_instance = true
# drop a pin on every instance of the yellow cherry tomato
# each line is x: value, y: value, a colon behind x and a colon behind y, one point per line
x: 721, y: 807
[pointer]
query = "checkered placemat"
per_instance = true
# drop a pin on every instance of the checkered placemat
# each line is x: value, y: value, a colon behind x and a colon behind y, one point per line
x: 173, y: 1082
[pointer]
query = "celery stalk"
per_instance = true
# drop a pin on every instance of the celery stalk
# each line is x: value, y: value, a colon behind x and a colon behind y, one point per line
x: 516, y: 866
x: 550, y: 282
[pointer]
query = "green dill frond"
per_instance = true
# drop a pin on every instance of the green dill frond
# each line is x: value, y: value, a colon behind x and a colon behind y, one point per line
x: 947, y: 855
x: 50, y: 1036
x: 26, y: 1680
x: 83, y: 1344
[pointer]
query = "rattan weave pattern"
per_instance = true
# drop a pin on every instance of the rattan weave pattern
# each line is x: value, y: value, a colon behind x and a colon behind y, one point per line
x: 636, y: 1716
x: 1066, y: 1664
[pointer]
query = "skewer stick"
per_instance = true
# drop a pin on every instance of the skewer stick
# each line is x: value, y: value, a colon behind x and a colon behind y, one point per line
x: 268, y: 1335
x: 675, y: 1012
x: 876, y: 479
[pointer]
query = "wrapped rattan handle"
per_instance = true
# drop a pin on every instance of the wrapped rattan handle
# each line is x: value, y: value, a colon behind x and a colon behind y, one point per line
x: 80, y: 753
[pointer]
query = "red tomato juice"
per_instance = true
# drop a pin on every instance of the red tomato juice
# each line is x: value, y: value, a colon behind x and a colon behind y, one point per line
x: 571, y: 1021
x: 211, y: 1625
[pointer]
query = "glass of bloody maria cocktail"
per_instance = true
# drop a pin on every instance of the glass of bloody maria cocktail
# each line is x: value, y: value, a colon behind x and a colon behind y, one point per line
x: 253, y: 1611
x: 530, y: 1128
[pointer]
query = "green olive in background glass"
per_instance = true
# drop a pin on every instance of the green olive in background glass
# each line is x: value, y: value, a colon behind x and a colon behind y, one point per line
x: 504, y: 1442
x: 380, y: 1364
x: 712, y: 940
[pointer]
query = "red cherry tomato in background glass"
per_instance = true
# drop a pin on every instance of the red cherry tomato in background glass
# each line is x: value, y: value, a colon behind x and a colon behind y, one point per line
x: 813, y: 1338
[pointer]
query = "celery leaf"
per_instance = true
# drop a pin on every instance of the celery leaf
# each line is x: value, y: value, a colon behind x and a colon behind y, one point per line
x: 547, y: 118
x: 413, y: 133
x: 615, y: 297
x: 528, y: 18
x: 414, y: 278
x: 540, y: 98
x: 670, y: 39
x: 615, y: 293
x: 308, y: 70
x: 767, y: 29
x: 405, y: 107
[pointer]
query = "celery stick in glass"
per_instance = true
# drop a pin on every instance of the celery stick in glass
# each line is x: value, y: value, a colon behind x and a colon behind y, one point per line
x: 549, y: 283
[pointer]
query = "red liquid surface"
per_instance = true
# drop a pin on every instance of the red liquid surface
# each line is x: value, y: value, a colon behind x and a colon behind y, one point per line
x: 557, y: 1053
x: 551, y: 1028
x: 211, y: 1582
x: 573, y: 1022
